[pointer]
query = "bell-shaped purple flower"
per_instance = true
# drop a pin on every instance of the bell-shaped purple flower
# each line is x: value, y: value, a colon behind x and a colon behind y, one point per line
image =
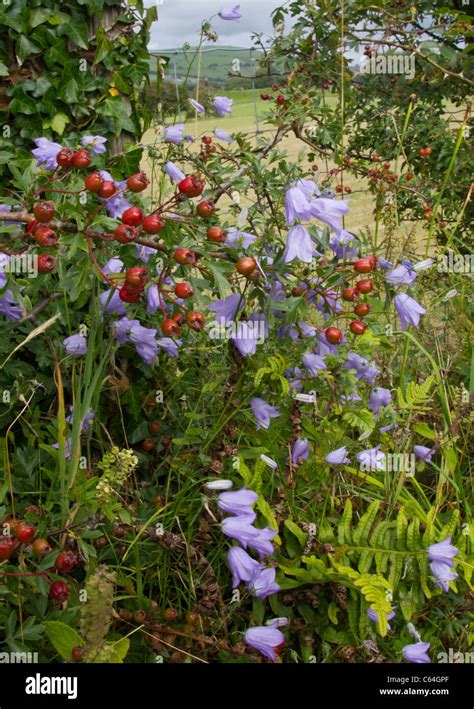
x: 300, y: 451
x: 45, y: 153
x: 238, y: 502
x: 223, y: 105
x: 313, y: 363
x: 443, y: 574
x: 379, y: 397
x: 144, y: 339
x: 329, y: 211
x: 372, y: 459
x: 168, y: 345
x: 408, y: 310
x: 417, y: 652
x: 242, y: 566
x: 263, y: 412
x: 241, y: 528
x: 227, y: 309
x: 373, y: 615
x: 110, y: 302
x: 75, y: 345
x: 265, y: 639
x: 298, y: 245
x: 401, y: 276
x: 174, y: 134
x: 173, y: 171
x: 263, y: 584
x: 199, y: 108
x: 9, y: 307
x: 223, y: 135
x: 423, y: 453
x: 230, y: 13
x: 444, y: 551
x: 95, y: 143
x: 297, y: 205
x: 239, y: 239
x: 338, y: 456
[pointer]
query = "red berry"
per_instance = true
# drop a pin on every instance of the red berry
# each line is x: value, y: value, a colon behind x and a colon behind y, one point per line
x: 428, y: 150
x: 128, y: 295
x: 410, y: 176
x: 193, y: 619
x: 166, y: 441
x: 107, y: 190
x: 44, y: 236
x: 422, y: 152
x: 170, y: 328
x: 298, y: 291
x: 339, y: 188
x: 7, y: 546
x: 138, y: 182
x: 216, y: 234
x: 171, y: 615
x: 195, y: 321
x: 185, y: 257
x: 125, y: 234
x: 41, y: 547
x: 64, y: 157
x: 179, y: 319
x: 46, y: 263
x: 136, y: 277
x: 93, y: 182
x: 347, y: 189
x: 31, y: 227
x: 206, y: 208
x: 207, y: 140
x: 184, y: 290
x: 362, y: 309
x: 357, y: 327
x: 246, y: 265
x: 25, y: 532
x: 333, y: 335
x: 148, y: 444
x: 77, y: 653
x: 365, y: 286
x: 133, y: 216
x: 44, y: 211
x: 281, y: 100
x: 59, y: 591
x: 153, y: 224
x: 154, y: 427
x: 364, y: 265
x: 349, y: 294
x: 81, y: 159
x: 65, y: 561
x: 191, y: 186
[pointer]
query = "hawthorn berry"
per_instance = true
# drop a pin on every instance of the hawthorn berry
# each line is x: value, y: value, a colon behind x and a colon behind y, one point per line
x: 195, y: 321
x: 184, y: 290
x: 179, y: 319
x: 59, y: 591
x: 185, y: 257
x: 81, y: 159
x: 41, y: 547
x: 107, y: 190
x: 362, y: 309
x: 298, y: 291
x: 333, y: 335
x: 166, y: 441
x: 281, y: 100
x: 357, y: 327
x: 77, y: 653
x: 125, y: 234
x: 192, y: 619
x: 93, y: 182
x: 206, y: 208
x: 154, y: 427
x: 44, y: 211
x: 216, y: 234
x: 410, y: 176
x: 128, y: 295
x: 191, y: 186
x: 246, y: 265
x: 64, y: 157
x: 153, y: 224
x: 170, y: 328
x: 7, y: 546
x: 148, y: 444
x: 133, y: 216
x: 349, y: 294
x: 364, y: 265
x: 206, y: 139
x: 339, y: 188
x: 46, y: 263
x: 25, y: 532
x: 136, y: 277
x: 138, y: 182
x: 365, y: 286
x: 44, y: 236
x: 65, y: 561
x: 139, y: 616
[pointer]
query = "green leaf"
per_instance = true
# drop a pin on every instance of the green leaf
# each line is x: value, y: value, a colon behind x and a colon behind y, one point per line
x: 363, y: 420
x: 76, y: 32
x: 38, y: 16
x: 59, y: 122
x: 25, y: 47
x: 424, y: 430
x: 3, y: 69
x: 62, y: 637
x: 119, y: 650
x: 294, y: 529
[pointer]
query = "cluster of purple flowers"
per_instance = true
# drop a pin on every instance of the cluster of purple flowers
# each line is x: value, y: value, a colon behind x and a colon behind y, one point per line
x: 258, y: 578
x: 441, y: 556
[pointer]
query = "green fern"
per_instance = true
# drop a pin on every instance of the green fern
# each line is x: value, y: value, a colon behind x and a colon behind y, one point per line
x: 416, y: 396
x: 275, y: 372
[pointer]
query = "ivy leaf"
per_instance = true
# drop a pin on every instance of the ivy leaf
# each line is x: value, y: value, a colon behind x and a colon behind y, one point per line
x: 68, y: 92
x: 62, y: 637
x: 76, y: 31
x: 3, y: 69
x: 38, y: 16
x: 25, y: 47
x: 59, y: 122
x: 24, y: 104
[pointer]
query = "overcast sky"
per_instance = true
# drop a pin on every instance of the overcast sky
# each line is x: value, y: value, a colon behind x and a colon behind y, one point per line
x: 179, y: 21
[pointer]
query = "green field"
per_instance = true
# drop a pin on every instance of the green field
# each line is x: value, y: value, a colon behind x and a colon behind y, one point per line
x: 216, y: 62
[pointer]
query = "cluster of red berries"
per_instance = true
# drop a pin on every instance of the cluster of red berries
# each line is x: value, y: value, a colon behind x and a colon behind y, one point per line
x: 424, y: 152
x: 135, y: 281
x: 207, y: 148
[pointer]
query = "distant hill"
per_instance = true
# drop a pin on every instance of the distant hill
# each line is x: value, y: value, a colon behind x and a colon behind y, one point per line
x: 216, y: 62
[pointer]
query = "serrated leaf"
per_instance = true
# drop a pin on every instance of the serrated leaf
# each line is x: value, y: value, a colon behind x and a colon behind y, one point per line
x: 62, y: 637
